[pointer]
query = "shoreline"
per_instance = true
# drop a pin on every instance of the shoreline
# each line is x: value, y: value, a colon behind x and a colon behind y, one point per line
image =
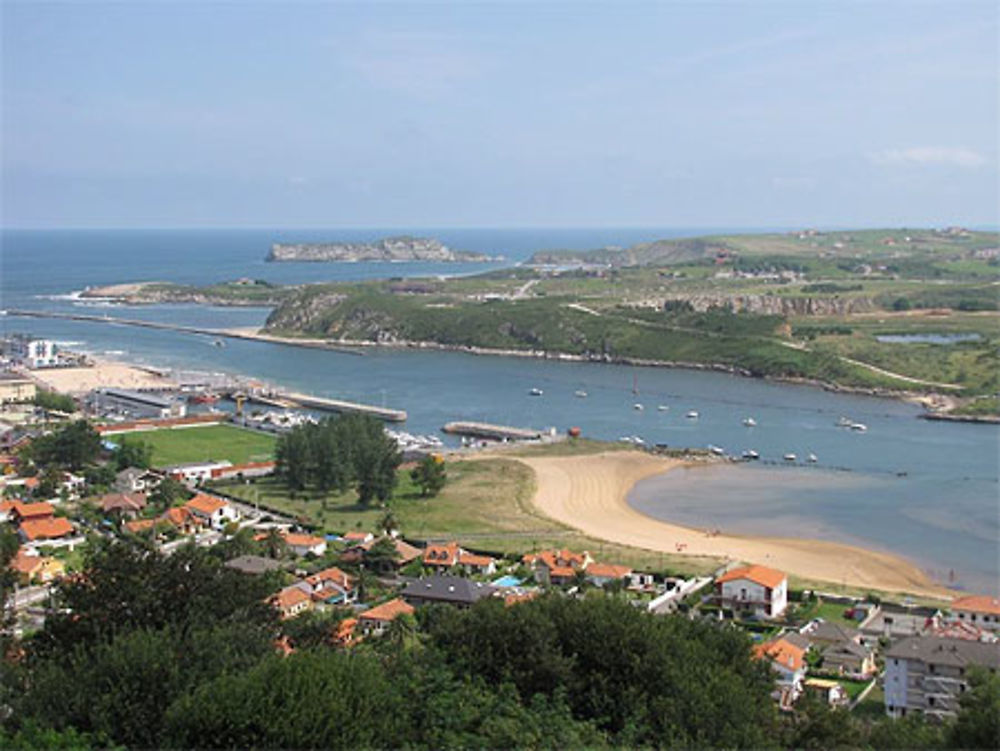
x: 589, y: 493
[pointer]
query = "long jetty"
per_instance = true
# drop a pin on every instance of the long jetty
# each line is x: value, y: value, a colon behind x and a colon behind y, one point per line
x: 200, y: 330
x: 339, y: 405
x: 494, y: 432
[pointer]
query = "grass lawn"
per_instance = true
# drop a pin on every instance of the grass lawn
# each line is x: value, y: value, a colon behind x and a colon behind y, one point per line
x: 873, y: 706
x: 854, y: 688
x: 212, y: 442
x: 486, y: 505
x: 833, y: 612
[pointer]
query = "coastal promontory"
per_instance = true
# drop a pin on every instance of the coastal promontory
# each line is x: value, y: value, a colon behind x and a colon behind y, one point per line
x: 401, y: 248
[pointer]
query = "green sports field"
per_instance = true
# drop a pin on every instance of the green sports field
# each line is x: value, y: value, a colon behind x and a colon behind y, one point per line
x: 212, y: 442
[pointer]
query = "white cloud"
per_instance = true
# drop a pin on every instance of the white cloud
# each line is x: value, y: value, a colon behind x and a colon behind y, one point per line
x: 930, y: 156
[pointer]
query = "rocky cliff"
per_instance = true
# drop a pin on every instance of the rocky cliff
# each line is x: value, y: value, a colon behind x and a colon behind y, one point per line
x: 388, y: 249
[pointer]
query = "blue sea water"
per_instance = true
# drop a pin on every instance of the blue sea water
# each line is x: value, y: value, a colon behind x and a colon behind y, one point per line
x: 925, y: 490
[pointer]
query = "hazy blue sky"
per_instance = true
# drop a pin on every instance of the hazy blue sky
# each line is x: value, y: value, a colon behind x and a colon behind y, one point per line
x: 514, y: 114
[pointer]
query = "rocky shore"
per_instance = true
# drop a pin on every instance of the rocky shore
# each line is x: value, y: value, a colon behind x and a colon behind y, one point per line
x: 403, y: 248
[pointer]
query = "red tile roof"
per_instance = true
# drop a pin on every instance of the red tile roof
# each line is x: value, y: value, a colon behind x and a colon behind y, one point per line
x: 205, y: 504
x: 122, y: 502
x: 303, y: 541
x: 140, y: 525
x: 471, y: 559
x: 289, y: 597
x: 783, y: 653
x: 33, y: 510
x: 766, y: 577
x: 332, y: 574
x: 46, y: 529
x: 388, y: 611
x: 608, y: 570
x: 977, y: 604
x: 442, y: 555
x: 178, y: 516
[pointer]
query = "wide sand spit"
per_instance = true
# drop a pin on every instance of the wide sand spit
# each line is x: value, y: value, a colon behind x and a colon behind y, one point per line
x: 588, y: 493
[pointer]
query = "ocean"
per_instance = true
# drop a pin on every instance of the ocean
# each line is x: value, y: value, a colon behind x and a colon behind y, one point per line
x: 927, y: 491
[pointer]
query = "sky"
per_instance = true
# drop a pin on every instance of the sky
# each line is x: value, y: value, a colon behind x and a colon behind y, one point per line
x: 514, y: 114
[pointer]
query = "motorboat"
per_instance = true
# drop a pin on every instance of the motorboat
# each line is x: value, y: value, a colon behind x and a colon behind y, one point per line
x: 717, y: 450
x: 581, y: 394
x: 536, y: 392
x: 638, y: 407
x: 692, y: 414
x: 859, y: 427
x: 790, y: 457
x: 749, y: 422
x: 813, y: 459
x: 662, y: 407
x: 750, y: 454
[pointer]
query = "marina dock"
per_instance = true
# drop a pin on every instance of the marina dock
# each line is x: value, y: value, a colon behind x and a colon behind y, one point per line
x: 493, y: 432
x: 340, y: 406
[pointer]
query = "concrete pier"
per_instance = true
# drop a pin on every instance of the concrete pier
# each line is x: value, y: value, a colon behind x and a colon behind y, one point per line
x: 338, y: 405
x: 493, y: 432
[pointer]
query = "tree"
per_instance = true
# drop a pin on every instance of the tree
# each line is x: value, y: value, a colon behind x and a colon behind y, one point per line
x: 388, y: 523
x: 376, y: 457
x: 274, y: 544
x: 72, y: 446
x: 167, y: 493
x: 978, y: 723
x: 429, y: 475
x: 133, y: 454
x: 52, y: 400
x: 382, y: 555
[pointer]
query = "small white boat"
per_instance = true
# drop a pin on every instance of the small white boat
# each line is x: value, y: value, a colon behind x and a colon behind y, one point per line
x: 749, y: 422
x: 581, y: 394
x: 790, y: 457
x: 717, y: 450
x: 692, y: 414
x: 813, y: 459
x: 662, y: 407
x: 751, y: 454
x: 536, y: 392
x: 638, y: 407
x: 637, y: 440
x: 860, y: 427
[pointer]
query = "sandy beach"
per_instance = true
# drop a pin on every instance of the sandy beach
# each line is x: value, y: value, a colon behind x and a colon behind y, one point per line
x: 588, y: 493
x: 103, y: 374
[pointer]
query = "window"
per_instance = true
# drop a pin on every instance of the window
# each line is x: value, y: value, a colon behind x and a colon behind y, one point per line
x: 930, y: 701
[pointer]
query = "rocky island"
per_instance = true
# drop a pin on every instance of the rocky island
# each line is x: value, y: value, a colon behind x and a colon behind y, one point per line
x: 402, y: 248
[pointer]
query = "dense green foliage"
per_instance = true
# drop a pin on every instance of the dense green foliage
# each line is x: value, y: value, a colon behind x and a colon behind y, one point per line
x: 338, y: 453
x: 429, y: 475
x: 177, y: 652
x: 133, y: 453
x: 54, y: 401
x: 72, y: 446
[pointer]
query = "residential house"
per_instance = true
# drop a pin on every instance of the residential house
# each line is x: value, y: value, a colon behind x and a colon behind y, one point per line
x: 375, y: 621
x: 927, y: 674
x: 7, y: 510
x: 303, y: 544
x: 898, y: 621
x: 22, y: 512
x: 195, y: 473
x: 344, y: 635
x: 292, y: 601
x: 127, y: 505
x: 39, y: 530
x: 982, y: 611
x: 450, y: 590
x: 32, y: 568
x: 211, y: 511
x: 357, y: 538
x: 450, y: 555
x: 788, y: 660
x: 138, y: 526
x: 829, y: 691
x: 406, y: 553
x: 756, y: 589
x: 557, y: 567
x: 850, y: 658
x: 332, y: 586
x: 240, y: 471
x: 135, y: 480
x: 962, y: 630
x: 181, y: 519
x: 600, y: 574
x: 823, y: 634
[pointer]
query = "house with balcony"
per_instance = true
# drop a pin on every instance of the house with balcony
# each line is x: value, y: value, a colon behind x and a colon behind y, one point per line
x: 928, y: 674
x: 981, y: 611
x: 755, y: 590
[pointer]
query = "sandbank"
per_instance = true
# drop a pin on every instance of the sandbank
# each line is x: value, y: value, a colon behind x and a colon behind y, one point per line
x: 589, y: 493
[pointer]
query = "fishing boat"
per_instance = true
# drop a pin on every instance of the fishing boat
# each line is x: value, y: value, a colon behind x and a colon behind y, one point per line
x: 692, y: 414
x: 581, y: 394
x: 749, y: 422
x: 536, y: 392
x: 790, y: 457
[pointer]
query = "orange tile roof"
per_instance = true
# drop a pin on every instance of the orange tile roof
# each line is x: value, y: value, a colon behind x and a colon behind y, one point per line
x: 46, y: 529
x: 302, y: 541
x: 388, y: 611
x: 332, y: 574
x: 33, y: 510
x: 608, y: 570
x: 352, y: 536
x: 290, y: 597
x: 442, y: 555
x: 766, y: 577
x: 471, y: 559
x: 31, y: 482
x: 557, y: 559
x: 140, y: 525
x: 344, y: 633
x: 205, y: 504
x: 26, y: 564
x: 782, y: 652
x: 977, y: 604
x: 178, y: 516
x: 122, y: 502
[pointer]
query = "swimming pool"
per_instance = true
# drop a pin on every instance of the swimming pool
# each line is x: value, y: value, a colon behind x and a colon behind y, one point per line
x: 507, y: 581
